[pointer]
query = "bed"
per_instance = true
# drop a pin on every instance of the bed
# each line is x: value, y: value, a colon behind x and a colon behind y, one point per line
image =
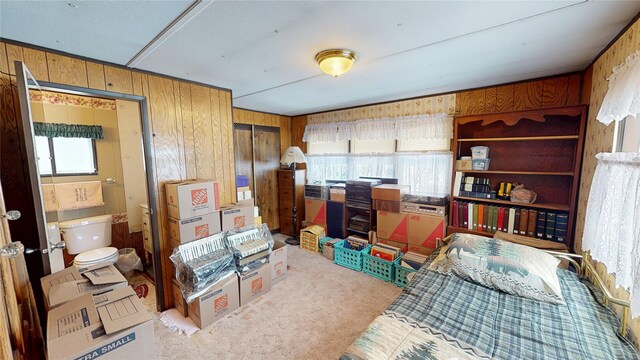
x: 445, y: 317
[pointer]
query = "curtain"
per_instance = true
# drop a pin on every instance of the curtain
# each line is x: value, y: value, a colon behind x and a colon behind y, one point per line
x: 52, y: 130
x: 425, y: 172
x: 623, y: 97
x: 612, y: 221
x: 417, y: 127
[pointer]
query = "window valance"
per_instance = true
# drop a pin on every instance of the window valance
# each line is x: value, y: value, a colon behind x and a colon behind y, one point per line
x: 417, y: 127
x: 623, y: 97
x: 52, y: 130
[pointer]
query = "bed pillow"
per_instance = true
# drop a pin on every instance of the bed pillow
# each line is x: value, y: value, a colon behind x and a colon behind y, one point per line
x: 512, y: 268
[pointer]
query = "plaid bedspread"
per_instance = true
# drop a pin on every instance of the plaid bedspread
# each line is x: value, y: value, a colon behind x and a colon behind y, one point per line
x: 484, y: 323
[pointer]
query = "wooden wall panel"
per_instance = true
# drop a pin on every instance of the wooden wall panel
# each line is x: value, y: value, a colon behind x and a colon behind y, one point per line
x: 476, y: 102
x: 554, y: 91
x: 118, y: 80
x: 66, y: 70
x: 36, y: 61
x: 573, y: 89
x: 172, y: 115
x: 201, y: 113
x: 244, y: 154
x: 14, y: 53
x: 528, y: 95
x: 216, y: 143
x: 298, y: 124
x: 187, y: 131
x: 4, y: 62
x: 95, y: 76
x: 266, y: 146
x: 490, y: 99
x: 227, y: 146
x: 285, y: 133
x: 243, y: 116
x: 504, y: 98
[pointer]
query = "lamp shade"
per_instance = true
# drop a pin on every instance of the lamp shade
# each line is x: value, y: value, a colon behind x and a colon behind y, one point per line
x: 335, y: 62
x: 293, y: 155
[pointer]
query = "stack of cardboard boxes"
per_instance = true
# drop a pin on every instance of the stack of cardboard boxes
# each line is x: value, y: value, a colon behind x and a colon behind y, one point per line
x: 409, y: 231
x: 82, y: 323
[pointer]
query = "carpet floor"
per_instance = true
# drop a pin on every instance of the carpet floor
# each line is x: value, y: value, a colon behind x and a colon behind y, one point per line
x: 315, y: 312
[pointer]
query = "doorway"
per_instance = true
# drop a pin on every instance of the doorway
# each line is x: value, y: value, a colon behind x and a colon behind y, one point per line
x: 98, y: 142
x: 258, y: 158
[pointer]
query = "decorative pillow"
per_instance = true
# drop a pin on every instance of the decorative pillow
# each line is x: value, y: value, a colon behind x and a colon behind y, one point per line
x: 501, y: 265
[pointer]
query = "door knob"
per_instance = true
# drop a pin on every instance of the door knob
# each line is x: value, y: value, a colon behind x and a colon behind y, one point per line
x: 12, y: 250
x: 59, y: 245
x: 12, y: 215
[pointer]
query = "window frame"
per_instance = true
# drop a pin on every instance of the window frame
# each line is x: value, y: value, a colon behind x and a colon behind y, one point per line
x: 52, y: 159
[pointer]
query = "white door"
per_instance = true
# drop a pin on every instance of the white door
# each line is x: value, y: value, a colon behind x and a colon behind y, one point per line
x: 50, y: 242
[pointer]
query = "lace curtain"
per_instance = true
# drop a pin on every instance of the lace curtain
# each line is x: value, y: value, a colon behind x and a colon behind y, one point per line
x: 623, y: 97
x: 417, y: 127
x: 612, y: 222
x: 425, y: 172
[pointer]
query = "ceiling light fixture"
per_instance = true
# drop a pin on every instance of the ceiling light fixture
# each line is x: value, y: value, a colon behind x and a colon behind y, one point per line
x: 335, y: 62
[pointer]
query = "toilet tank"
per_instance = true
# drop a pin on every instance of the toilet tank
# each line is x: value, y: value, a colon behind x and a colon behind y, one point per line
x: 86, y: 234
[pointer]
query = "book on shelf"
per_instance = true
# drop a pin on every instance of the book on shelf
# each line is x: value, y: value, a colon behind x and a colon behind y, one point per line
x: 524, y: 221
x: 456, y: 211
x: 531, y: 225
x: 560, y: 232
x: 475, y: 216
x: 470, y: 216
x: 516, y: 222
x: 457, y: 183
x: 512, y: 221
x: 500, y: 223
x: 540, y: 224
x: 550, y: 226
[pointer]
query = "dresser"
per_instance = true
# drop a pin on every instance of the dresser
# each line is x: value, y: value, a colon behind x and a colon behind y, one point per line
x: 286, y: 187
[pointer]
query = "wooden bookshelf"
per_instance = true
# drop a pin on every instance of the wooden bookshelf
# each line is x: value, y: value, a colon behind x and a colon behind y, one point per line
x: 540, y: 148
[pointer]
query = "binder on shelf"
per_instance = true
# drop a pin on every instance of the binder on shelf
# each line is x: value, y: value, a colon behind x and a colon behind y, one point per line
x: 470, y: 216
x: 540, y: 224
x: 531, y: 226
x: 500, y: 223
x: 550, y: 226
x: 524, y: 221
x: 456, y: 214
x: 516, y: 222
x: 475, y: 216
x: 562, y: 223
x: 512, y: 221
x: 465, y: 214
x: 457, y: 183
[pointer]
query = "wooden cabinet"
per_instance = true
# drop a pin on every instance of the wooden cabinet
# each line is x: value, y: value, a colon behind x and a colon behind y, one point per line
x: 147, y: 240
x: 287, y: 187
x: 541, y: 149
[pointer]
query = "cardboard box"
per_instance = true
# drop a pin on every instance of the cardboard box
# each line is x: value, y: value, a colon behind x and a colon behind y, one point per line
x: 463, y: 165
x: 315, y: 211
x: 278, y: 261
x: 236, y: 216
x: 423, y: 230
x: 113, y: 325
x: 187, y: 199
x: 257, y: 220
x: 310, y: 236
x: 244, y: 193
x: 71, y: 283
x: 392, y: 226
x: 195, y: 228
x: 403, y: 246
x: 421, y: 249
x: 390, y: 192
x: 254, y: 284
x: 179, y: 303
x: 215, y: 303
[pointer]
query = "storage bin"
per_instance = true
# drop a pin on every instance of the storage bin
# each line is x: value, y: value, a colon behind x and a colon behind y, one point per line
x: 480, y: 164
x: 401, y: 275
x: 479, y: 152
x: 349, y: 258
x: 382, y: 269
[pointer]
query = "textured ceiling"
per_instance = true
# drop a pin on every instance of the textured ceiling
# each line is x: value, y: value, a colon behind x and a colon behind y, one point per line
x: 264, y: 51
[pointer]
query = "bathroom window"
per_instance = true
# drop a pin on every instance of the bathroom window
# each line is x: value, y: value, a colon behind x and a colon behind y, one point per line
x: 61, y: 156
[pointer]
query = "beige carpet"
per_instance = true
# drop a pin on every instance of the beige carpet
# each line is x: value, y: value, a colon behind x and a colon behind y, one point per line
x: 314, y: 313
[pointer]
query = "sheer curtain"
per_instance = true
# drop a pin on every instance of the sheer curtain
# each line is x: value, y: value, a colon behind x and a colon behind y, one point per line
x: 612, y: 222
x: 425, y: 172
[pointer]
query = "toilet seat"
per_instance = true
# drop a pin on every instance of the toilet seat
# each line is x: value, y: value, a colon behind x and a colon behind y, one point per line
x: 95, y: 256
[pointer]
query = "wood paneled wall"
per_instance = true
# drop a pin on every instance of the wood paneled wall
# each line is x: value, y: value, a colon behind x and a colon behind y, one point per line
x: 192, y: 130
x: 599, y: 138
x: 543, y: 93
x: 243, y: 116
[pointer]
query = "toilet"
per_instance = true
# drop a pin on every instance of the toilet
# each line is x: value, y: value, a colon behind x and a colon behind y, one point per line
x: 89, y: 239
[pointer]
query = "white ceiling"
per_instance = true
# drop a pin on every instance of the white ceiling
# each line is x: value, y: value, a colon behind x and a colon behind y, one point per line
x: 264, y: 50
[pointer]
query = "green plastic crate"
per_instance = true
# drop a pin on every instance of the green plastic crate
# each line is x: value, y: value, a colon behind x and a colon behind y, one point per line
x: 349, y: 258
x: 401, y: 275
x: 322, y: 241
x: 382, y: 269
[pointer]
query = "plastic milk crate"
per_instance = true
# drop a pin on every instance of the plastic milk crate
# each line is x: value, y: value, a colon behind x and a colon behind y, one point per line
x: 382, y: 269
x: 349, y: 258
x: 401, y: 275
